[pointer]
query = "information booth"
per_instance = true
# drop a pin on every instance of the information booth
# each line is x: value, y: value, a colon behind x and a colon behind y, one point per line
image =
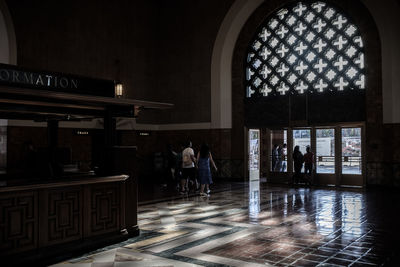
x: 50, y: 211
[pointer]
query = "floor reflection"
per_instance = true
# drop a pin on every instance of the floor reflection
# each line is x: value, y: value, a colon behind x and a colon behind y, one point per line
x: 254, y: 199
x: 325, y: 216
x: 262, y: 225
x: 353, y: 214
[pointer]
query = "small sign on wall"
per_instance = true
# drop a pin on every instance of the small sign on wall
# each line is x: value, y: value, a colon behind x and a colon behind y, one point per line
x: 141, y: 133
x: 82, y: 132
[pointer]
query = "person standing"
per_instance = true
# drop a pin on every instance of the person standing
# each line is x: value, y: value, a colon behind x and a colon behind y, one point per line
x: 278, y: 159
x: 298, y: 164
x: 274, y: 157
x: 188, y: 168
x: 204, y: 158
x: 178, y: 170
x: 308, y: 165
x: 171, y: 165
x: 284, y: 158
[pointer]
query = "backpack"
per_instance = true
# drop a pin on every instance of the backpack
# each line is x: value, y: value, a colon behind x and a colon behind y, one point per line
x: 186, y: 160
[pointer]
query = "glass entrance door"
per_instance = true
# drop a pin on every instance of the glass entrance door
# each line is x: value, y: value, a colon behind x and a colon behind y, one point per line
x: 325, y: 150
x: 338, y: 154
x: 325, y: 161
x: 302, y: 138
x: 351, y: 151
x: 279, y: 151
x: 352, y: 157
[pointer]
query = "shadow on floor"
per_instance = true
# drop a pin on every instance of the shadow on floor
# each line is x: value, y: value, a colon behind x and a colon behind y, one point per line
x: 155, y: 192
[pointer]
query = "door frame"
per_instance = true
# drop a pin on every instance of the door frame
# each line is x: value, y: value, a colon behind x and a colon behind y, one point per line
x: 279, y: 177
x: 336, y: 179
x: 350, y: 180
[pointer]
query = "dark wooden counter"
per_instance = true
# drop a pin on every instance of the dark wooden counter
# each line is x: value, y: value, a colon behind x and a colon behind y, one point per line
x: 43, y: 220
x: 48, y: 218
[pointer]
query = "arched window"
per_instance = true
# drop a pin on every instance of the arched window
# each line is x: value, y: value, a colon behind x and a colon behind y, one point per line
x: 305, y: 47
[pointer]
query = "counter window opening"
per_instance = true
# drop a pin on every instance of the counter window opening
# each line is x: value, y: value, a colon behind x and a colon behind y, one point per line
x: 305, y: 47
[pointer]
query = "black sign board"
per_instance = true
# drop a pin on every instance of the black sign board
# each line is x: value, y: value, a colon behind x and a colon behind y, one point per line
x: 15, y: 76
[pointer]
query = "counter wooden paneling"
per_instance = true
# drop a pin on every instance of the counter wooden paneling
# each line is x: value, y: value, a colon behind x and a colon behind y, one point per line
x: 44, y: 215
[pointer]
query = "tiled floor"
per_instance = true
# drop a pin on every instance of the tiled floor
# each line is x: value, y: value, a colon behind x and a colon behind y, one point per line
x: 262, y: 226
x: 153, y: 192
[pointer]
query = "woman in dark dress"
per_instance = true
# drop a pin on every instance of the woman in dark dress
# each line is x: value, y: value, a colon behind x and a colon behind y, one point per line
x: 204, y: 158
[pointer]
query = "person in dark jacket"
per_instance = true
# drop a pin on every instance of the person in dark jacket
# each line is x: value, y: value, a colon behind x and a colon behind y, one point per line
x: 298, y: 160
x: 308, y: 165
x: 274, y: 157
x: 171, y: 157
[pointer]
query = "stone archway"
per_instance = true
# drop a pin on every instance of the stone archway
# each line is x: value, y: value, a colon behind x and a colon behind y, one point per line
x: 8, y: 47
x: 221, y: 63
x: 8, y: 55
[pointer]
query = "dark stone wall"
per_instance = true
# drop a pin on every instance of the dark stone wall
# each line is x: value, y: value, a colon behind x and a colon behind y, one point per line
x: 80, y: 146
x: 16, y: 139
x: 160, y: 50
x: 383, y: 154
x: 216, y: 139
x: 99, y: 39
x: 219, y: 141
x: 309, y: 109
x: 85, y: 149
x: 185, y: 38
x: 3, y: 148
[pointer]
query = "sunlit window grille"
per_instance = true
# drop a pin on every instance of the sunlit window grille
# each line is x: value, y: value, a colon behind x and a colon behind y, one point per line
x: 307, y: 47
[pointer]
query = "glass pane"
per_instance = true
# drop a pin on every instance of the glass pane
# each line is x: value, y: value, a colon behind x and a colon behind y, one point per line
x: 302, y: 138
x: 351, y: 151
x: 325, y: 150
x: 254, y: 154
x: 279, y: 150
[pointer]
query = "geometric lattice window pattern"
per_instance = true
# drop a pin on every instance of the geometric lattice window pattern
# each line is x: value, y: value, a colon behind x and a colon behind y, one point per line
x: 307, y: 47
